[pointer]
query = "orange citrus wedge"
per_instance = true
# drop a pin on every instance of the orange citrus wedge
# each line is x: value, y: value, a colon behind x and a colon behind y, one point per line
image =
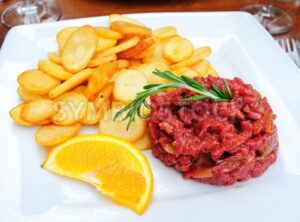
x: 114, y: 166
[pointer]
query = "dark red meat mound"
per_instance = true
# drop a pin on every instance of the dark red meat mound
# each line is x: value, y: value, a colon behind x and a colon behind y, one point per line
x: 214, y: 142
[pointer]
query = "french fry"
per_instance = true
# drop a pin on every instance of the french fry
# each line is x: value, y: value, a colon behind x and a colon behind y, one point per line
x: 129, y: 29
x: 37, y: 82
x: 137, y: 49
x: 177, y: 49
x: 63, y: 36
x: 118, y: 128
x: 165, y: 32
x: 73, y: 107
x: 108, y: 33
x: 70, y: 83
x: 79, y: 49
x: 102, y: 60
x: 118, y: 17
x: 28, y: 96
x: 54, y: 70
x: 127, y: 44
x: 104, y: 44
x: 129, y: 81
x: 143, y: 143
x: 39, y: 110
x: 201, y: 67
x: 55, y: 57
x: 147, y: 70
x: 198, y: 55
x: 52, y: 135
x: 16, y: 112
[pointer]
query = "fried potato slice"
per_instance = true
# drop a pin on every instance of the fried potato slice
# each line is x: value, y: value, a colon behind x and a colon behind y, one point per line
x: 54, y: 70
x: 108, y: 33
x: 198, y: 55
x: 149, y: 50
x: 73, y: 107
x: 55, y: 57
x: 118, y: 17
x: 15, y: 114
x: 101, y: 60
x: 201, y: 67
x: 104, y: 44
x: 127, y: 44
x: 92, y: 115
x: 143, y: 143
x: 165, y: 32
x: 129, y: 29
x: 52, y: 135
x: 37, y: 82
x: 137, y: 49
x: 177, y: 49
x: 100, y: 78
x: 63, y: 35
x: 28, y: 96
x: 118, y: 128
x: 211, y: 71
x: 147, y: 70
x: 104, y: 96
x: 39, y: 110
x: 134, y: 63
x: 70, y: 83
x: 127, y: 84
x: 79, y: 49
x: 178, y: 72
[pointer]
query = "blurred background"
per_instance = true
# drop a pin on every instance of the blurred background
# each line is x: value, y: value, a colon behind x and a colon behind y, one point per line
x: 289, y: 12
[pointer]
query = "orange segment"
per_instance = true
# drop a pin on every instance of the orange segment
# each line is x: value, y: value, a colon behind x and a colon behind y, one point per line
x: 114, y: 166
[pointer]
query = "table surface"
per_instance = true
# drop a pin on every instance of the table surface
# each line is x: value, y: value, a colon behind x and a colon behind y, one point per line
x: 88, y: 8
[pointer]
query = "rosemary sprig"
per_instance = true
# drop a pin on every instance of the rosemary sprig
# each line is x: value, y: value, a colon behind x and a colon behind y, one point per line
x: 134, y: 108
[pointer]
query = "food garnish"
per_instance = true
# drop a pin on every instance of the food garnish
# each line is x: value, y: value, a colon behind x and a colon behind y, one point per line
x: 134, y: 108
x: 114, y: 166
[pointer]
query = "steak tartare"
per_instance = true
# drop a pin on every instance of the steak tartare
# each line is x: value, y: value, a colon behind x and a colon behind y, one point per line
x: 214, y: 142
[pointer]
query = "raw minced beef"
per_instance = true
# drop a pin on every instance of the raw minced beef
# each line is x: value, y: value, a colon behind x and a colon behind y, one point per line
x: 214, y: 142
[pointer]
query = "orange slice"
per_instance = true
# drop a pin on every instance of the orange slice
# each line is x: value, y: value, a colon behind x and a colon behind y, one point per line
x: 114, y: 166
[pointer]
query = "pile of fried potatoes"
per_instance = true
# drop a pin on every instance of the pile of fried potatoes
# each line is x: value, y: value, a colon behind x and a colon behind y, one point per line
x: 97, y: 71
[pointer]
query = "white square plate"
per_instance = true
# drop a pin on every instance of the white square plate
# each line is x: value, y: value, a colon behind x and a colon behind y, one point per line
x: 241, y: 47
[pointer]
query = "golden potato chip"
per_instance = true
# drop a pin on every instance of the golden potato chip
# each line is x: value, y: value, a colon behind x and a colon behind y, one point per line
x: 39, y: 110
x: 98, y: 61
x: 104, y: 96
x: 130, y: 81
x: 92, y: 115
x: 37, y: 82
x: 201, y: 67
x: 54, y: 70
x: 108, y: 33
x: 73, y: 106
x: 118, y: 128
x: 129, y: 29
x: 52, y: 135
x: 16, y: 112
x: 198, y: 55
x: 177, y: 49
x: 79, y: 49
x: 28, y: 96
x: 148, y: 69
x: 63, y: 36
x: 118, y: 17
x: 55, y: 57
x: 143, y: 143
x: 165, y: 32
x: 127, y: 44
x: 104, y: 44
